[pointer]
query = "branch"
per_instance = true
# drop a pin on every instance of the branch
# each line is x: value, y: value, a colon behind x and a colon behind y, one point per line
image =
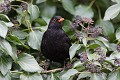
x: 53, y: 70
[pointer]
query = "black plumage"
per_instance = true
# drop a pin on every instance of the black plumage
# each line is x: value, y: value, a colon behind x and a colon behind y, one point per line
x: 55, y: 43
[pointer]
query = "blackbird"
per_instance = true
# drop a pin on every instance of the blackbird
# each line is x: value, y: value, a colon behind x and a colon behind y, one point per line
x: 55, y: 42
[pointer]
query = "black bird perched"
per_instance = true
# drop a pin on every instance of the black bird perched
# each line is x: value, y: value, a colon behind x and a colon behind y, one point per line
x: 55, y: 43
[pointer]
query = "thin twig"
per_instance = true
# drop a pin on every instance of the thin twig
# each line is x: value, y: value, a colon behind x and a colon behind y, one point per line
x: 53, y: 70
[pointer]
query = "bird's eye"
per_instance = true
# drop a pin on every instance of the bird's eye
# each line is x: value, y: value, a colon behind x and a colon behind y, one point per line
x: 54, y: 19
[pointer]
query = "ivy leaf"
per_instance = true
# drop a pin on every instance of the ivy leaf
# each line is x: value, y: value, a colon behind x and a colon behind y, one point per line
x: 73, y: 50
x: 5, y: 64
x: 49, y: 11
x: 34, y: 76
x: 6, y: 77
x: 108, y: 27
x: 118, y: 34
x: 34, y: 12
x: 97, y: 76
x: 19, y: 34
x: 84, y: 11
x: 34, y: 40
x: 84, y: 40
x: 114, y: 75
x: 105, y: 41
x: 28, y: 63
x: 4, y: 18
x: 68, y: 74
x: 68, y: 6
x: 40, y: 21
x: 112, y: 12
x: 3, y: 30
x: 117, y: 1
x: 8, y: 49
x: 83, y: 75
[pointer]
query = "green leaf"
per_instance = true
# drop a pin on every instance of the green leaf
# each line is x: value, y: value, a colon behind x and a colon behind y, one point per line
x: 6, y: 77
x: 84, y: 11
x: 83, y: 75
x: 19, y: 34
x: 97, y: 76
x: 118, y: 34
x: 5, y: 64
x: 34, y: 76
x: 4, y: 18
x: 40, y: 21
x: 8, y: 24
x: 3, y: 30
x: 68, y: 74
x: 114, y: 75
x: 68, y: 6
x: 28, y: 63
x: 34, y: 40
x: 76, y: 64
x: 52, y: 77
x: 8, y: 49
x: 34, y: 12
x: 40, y: 1
x: 108, y: 27
x: 49, y: 11
x: 117, y: 1
x: 84, y: 40
x: 112, y: 12
x: 105, y: 41
x: 114, y: 55
x: 73, y: 50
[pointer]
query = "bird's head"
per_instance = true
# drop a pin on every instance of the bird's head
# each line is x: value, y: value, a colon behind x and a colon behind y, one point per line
x: 56, y: 22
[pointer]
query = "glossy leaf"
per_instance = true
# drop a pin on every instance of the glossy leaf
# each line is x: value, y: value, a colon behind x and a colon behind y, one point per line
x: 19, y: 34
x: 68, y: 6
x: 117, y: 1
x: 84, y: 11
x: 83, y: 75
x: 8, y: 49
x: 28, y: 63
x: 97, y: 76
x: 73, y: 49
x: 34, y: 76
x: 6, y: 77
x: 5, y: 64
x: 4, y: 17
x: 49, y: 11
x: 108, y: 27
x: 118, y: 34
x: 34, y: 39
x: 3, y: 30
x: 68, y: 74
x: 112, y: 12
x: 114, y: 75
x: 34, y: 12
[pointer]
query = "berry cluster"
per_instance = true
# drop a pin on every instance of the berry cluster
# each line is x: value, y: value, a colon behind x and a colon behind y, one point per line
x: 117, y: 61
x: 80, y: 35
x: 83, y: 57
x: 24, y: 6
x: 79, y: 22
x: 95, y: 32
x: 92, y: 67
x: 87, y: 20
x: 85, y: 25
x: 101, y: 53
x: 118, y: 47
x: 76, y: 22
x: 5, y: 7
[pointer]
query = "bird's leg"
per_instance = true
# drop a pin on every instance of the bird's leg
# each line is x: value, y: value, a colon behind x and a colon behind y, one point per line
x: 66, y: 65
x: 47, y: 65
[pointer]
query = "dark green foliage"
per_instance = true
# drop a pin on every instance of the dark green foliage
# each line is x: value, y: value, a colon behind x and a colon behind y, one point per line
x: 92, y: 25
